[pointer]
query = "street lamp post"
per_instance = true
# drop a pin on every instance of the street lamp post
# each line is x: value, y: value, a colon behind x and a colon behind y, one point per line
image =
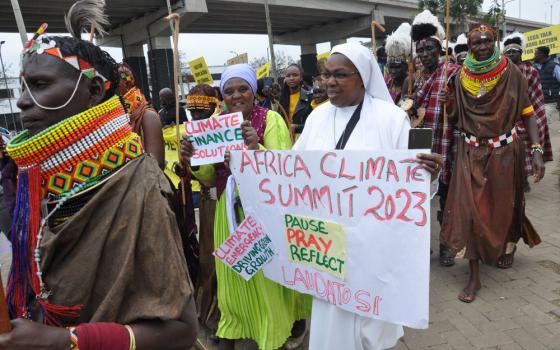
x: 7, y: 89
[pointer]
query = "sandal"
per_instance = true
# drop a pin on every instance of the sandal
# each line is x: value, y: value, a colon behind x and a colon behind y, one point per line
x: 294, y: 343
x: 446, y: 257
x: 466, y: 297
x: 503, y: 265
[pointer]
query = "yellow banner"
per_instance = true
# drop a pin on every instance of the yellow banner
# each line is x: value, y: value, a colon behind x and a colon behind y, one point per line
x: 243, y: 58
x: 263, y: 71
x: 200, y: 71
x: 171, y: 156
x: 549, y: 36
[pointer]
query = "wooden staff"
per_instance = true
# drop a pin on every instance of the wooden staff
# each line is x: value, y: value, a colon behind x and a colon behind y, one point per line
x: 374, y: 25
x: 5, y: 325
x: 92, y: 33
x: 447, y: 23
x: 410, y: 69
x: 175, y: 18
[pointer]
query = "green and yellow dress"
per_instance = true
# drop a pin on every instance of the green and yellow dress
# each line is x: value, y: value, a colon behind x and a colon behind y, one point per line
x: 259, y: 309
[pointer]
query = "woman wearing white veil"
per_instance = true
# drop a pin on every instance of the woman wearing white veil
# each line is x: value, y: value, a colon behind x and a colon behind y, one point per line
x: 360, y: 116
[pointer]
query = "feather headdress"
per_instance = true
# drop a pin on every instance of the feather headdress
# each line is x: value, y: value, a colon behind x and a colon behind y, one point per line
x: 86, y: 16
x: 515, y: 39
x: 399, y: 43
x: 461, y: 44
x: 426, y: 25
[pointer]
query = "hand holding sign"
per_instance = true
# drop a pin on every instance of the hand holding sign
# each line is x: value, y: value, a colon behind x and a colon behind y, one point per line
x: 186, y: 151
x: 249, y: 135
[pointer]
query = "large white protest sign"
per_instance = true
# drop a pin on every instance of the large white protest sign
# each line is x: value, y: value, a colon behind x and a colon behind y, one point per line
x: 212, y: 137
x: 349, y: 227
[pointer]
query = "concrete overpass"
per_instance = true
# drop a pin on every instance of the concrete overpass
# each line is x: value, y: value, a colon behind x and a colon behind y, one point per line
x: 294, y: 22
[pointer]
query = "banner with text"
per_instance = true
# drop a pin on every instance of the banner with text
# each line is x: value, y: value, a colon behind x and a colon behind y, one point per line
x: 246, y: 250
x: 200, y: 71
x: 243, y: 58
x: 549, y: 36
x: 212, y: 137
x: 349, y: 227
x: 263, y: 71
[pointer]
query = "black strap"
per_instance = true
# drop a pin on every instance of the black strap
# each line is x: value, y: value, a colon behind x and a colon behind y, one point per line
x: 349, y: 127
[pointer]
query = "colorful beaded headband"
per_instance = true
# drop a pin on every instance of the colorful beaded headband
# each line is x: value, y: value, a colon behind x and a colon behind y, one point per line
x: 397, y: 59
x: 201, y: 102
x: 483, y: 28
x: 40, y: 44
x: 513, y: 46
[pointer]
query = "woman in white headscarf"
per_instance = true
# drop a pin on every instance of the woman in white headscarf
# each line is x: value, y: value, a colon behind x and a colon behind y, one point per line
x: 358, y: 96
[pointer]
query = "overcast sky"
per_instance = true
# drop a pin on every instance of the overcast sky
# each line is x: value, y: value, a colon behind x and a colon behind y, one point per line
x: 217, y: 48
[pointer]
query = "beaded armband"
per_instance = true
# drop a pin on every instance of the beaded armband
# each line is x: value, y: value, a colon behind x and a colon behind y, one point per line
x: 73, y: 338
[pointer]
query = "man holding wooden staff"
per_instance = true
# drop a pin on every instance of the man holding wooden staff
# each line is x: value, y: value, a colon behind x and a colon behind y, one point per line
x: 428, y: 35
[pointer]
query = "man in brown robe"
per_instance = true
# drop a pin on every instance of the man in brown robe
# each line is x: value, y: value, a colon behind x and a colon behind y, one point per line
x: 485, y: 207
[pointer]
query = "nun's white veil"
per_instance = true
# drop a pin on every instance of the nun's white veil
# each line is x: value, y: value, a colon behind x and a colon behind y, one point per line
x: 369, y: 70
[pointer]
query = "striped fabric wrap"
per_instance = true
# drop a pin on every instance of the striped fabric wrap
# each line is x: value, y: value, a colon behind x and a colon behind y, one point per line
x: 80, y: 148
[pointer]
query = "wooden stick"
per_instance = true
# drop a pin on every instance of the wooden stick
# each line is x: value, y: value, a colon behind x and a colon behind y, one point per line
x: 176, y: 21
x: 374, y: 25
x: 5, y: 325
x: 447, y: 23
x: 92, y: 33
x: 410, y: 70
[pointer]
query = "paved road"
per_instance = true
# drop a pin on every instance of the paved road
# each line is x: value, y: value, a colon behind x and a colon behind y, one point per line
x: 515, y: 309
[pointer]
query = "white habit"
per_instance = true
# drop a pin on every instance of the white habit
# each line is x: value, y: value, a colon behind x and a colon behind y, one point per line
x: 382, y: 125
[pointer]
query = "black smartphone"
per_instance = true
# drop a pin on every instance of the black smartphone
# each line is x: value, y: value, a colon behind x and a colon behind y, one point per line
x: 420, y: 138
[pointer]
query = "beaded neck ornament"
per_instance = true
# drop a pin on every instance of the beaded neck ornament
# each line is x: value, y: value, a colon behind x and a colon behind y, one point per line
x: 480, y: 77
x: 61, y: 161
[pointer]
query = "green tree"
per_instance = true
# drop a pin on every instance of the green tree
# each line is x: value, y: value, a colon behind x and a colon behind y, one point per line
x: 459, y: 10
x: 282, y: 61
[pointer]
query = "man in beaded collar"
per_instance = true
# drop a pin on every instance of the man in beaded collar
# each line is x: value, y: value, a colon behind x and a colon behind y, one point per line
x: 113, y: 270
x: 485, y: 210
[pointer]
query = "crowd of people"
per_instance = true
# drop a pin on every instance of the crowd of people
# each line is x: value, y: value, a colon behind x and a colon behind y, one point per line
x: 107, y: 252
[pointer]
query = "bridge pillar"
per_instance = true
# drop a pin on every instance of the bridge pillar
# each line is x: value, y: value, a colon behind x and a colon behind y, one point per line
x: 309, y: 59
x: 337, y: 42
x: 134, y: 57
x: 160, y: 58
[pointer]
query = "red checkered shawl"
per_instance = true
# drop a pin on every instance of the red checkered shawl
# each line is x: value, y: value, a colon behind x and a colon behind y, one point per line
x: 537, y: 99
x: 428, y: 97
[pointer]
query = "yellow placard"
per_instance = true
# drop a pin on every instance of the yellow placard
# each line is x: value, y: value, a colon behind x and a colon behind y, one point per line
x: 323, y: 56
x: 263, y: 71
x: 243, y: 58
x: 549, y: 36
x: 322, y: 60
x: 171, y: 156
x: 318, y: 243
x: 200, y: 71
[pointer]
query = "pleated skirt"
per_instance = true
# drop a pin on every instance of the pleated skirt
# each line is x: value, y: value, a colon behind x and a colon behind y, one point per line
x: 258, y: 309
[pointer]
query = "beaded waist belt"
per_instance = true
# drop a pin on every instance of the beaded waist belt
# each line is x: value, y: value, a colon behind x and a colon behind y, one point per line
x: 495, y: 142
